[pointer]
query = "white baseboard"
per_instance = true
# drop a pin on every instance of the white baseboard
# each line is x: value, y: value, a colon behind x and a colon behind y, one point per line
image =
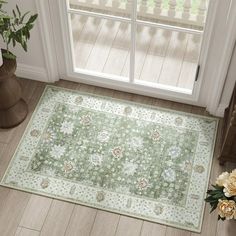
x: 221, y: 110
x: 32, y: 72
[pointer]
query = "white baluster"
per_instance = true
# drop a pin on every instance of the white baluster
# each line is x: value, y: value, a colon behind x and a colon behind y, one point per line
x: 187, y: 8
x: 157, y: 8
x: 115, y: 3
x: 102, y: 2
x: 172, y: 6
x: 202, y: 11
x: 143, y: 6
x: 128, y: 5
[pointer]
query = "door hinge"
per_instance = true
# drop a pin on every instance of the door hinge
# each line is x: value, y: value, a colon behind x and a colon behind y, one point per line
x: 197, y: 73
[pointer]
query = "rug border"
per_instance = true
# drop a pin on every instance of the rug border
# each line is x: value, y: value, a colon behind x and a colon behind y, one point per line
x: 197, y: 230
x: 132, y: 102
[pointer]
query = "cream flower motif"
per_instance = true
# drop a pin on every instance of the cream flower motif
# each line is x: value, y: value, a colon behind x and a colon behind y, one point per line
x: 103, y: 136
x: 57, y: 151
x: 117, y: 152
x: 178, y: 121
x: 127, y: 110
x: 67, y: 127
x: 48, y: 137
x: 44, y: 184
x: 169, y: 175
x: 79, y: 100
x: 143, y: 183
x: 155, y: 136
x: 230, y: 185
x: 129, y: 168
x: 96, y: 159
x: 221, y: 180
x: 158, y: 209
x: 86, y: 119
x: 68, y: 166
x: 35, y: 133
x: 199, y: 169
x: 100, y: 196
x: 174, y: 151
x: 227, y: 209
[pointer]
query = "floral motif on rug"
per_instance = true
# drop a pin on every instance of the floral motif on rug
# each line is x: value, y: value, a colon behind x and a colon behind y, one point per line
x: 116, y: 155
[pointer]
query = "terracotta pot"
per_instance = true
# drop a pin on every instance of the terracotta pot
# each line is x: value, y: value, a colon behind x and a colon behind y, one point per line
x: 13, y: 108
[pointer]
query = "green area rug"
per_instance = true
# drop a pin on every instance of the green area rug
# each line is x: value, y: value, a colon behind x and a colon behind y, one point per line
x: 115, y: 155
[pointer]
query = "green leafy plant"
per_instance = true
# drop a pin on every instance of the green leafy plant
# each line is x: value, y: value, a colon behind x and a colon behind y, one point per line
x: 15, y: 28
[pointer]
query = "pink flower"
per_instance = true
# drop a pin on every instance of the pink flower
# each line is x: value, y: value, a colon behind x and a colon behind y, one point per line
x: 117, y: 152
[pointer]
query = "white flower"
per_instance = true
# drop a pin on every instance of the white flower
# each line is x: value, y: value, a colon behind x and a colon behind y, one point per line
x: 103, y: 136
x: 57, y: 151
x: 136, y: 142
x: 129, y: 168
x: 67, y: 127
x: 169, y: 175
x: 221, y: 180
x: 230, y: 185
x: 174, y: 151
x: 96, y: 159
x: 48, y: 136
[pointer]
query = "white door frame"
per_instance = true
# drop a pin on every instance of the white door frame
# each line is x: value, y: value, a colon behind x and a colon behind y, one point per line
x: 222, y: 48
x: 54, y: 48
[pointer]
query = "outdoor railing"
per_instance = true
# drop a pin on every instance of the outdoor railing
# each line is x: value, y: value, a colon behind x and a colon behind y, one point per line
x: 189, y: 12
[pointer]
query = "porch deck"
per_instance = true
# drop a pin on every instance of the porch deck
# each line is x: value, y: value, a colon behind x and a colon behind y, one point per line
x: 162, y: 56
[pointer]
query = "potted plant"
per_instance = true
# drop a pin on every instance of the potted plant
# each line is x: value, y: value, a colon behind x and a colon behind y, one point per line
x: 14, y: 29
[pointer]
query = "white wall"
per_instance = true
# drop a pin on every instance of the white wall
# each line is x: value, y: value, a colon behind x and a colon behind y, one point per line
x: 33, y: 60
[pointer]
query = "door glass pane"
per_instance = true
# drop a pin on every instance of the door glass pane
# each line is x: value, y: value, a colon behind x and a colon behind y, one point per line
x: 166, y: 57
x: 101, y: 45
x: 168, y: 41
x: 120, y: 8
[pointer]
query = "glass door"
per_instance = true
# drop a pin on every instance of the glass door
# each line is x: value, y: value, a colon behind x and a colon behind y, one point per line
x: 148, y: 45
x: 101, y: 38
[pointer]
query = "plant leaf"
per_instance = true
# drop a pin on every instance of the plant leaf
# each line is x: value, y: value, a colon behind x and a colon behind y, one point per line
x: 14, y: 13
x: 23, y: 17
x: 32, y: 19
x: 18, y: 10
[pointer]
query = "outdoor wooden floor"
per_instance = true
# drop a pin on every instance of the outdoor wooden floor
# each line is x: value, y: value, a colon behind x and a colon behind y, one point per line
x: 25, y: 214
x: 162, y: 56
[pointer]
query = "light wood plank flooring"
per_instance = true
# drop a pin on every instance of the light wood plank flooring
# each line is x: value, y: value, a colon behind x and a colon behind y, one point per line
x: 162, y: 56
x: 25, y: 214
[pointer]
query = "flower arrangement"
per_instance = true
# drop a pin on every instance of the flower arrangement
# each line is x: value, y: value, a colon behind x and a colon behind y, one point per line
x: 223, y: 196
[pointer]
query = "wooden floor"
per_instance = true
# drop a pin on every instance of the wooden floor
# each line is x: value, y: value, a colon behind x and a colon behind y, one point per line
x: 25, y: 214
x: 162, y: 56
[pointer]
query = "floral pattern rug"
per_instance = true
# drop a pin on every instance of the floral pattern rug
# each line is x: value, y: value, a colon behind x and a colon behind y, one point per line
x: 115, y: 155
